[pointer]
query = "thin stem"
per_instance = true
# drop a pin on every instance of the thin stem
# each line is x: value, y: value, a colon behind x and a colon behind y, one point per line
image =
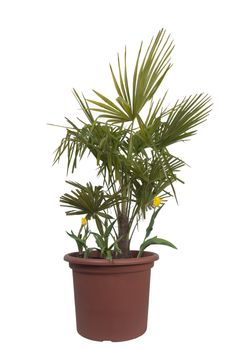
x: 134, y: 213
x: 133, y: 231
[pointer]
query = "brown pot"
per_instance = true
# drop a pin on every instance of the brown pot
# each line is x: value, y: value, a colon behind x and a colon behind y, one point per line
x: 111, y: 297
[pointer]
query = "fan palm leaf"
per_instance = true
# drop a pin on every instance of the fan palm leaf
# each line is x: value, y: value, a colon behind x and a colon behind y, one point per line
x: 88, y: 200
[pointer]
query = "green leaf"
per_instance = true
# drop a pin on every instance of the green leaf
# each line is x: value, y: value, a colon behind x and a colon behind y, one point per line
x: 152, y: 71
x: 155, y: 240
x: 183, y: 119
x: 128, y: 99
x: 89, y: 200
x: 122, y: 83
x: 108, y: 102
x: 110, y: 109
x: 116, y: 83
x: 151, y: 223
x: 109, y: 229
x: 135, y: 76
x: 84, y: 106
x: 99, y: 240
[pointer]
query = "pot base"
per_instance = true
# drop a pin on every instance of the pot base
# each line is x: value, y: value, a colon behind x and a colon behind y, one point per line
x: 116, y: 340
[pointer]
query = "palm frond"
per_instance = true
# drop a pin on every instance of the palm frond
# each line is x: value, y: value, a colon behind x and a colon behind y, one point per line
x: 153, y: 69
x: 88, y: 200
x: 147, y: 78
x: 182, y: 120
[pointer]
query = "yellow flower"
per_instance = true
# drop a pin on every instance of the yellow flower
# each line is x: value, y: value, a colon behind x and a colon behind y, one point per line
x: 83, y: 221
x: 156, y: 201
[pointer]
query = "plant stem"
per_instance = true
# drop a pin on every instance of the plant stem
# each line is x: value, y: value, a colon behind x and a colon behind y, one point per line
x: 123, y: 233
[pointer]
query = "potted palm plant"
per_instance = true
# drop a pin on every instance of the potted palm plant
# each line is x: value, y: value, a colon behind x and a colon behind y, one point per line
x: 129, y: 139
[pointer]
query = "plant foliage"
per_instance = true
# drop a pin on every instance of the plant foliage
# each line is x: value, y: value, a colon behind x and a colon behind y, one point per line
x: 131, y: 150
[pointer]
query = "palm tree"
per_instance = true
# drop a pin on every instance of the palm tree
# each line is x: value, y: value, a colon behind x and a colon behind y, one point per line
x: 132, y: 152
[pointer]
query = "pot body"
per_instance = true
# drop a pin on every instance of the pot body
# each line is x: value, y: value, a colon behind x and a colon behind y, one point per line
x: 111, y: 297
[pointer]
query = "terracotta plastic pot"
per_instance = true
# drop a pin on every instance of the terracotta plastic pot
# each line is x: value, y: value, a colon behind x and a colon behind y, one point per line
x: 111, y: 297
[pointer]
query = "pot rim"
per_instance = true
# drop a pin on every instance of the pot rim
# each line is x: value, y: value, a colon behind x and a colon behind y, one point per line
x: 148, y: 257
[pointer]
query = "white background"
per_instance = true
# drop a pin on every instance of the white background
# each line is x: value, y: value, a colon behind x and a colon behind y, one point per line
x: 49, y: 47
